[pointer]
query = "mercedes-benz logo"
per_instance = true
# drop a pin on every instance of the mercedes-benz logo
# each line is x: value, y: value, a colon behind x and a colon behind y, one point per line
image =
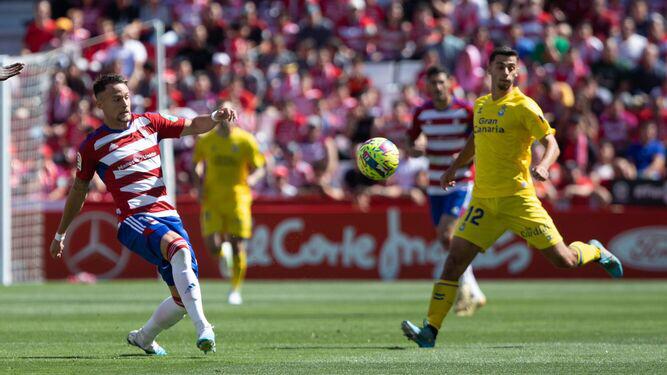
x: 94, y: 246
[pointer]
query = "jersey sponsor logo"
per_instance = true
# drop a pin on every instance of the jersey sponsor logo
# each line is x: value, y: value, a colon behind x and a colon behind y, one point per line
x: 492, y: 126
x: 78, y: 161
x: 168, y: 117
x: 643, y: 248
x: 488, y: 121
x: 535, y: 231
x: 136, y: 159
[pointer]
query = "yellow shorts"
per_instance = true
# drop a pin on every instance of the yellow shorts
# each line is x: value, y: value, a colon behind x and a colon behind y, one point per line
x: 486, y: 219
x: 234, y: 221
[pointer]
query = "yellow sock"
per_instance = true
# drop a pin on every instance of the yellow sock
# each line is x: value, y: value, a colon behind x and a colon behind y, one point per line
x: 442, y: 299
x: 238, y: 270
x: 585, y: 253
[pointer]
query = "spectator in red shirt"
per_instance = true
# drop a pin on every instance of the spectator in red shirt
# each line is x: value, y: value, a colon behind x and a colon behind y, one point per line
x: 425, y: 32
x: 618, y: 124
x: 325, y: 73
x: 532, y: 18
x: 356, y: 29
x: 357, y: 82
x: 41, y: 30
x: 62, y: 100
x: 393, y: 36
x: 288, y: 128
x: 603, y: 19
x: 466, y: 17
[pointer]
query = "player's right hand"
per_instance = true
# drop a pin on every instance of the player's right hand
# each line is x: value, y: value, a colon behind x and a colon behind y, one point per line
x: 226, y: 114
x: 56, y: 248
x: 448, y: 178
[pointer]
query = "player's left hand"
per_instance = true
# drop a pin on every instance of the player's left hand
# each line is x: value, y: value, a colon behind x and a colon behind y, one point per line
x: 539, y: 173
x: 226, y: 114
x: 10, y: 71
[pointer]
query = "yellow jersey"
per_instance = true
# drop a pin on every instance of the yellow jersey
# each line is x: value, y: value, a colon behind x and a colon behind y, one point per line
x: 504, y: 130
x: 228, y: 163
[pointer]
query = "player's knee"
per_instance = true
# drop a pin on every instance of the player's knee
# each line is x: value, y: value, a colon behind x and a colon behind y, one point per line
x: 176, y: 247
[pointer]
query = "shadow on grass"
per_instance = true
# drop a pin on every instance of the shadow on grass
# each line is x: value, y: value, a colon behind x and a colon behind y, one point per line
x: 507, y: 347
x: 57, y: 357
x: 90, y: 357
x: 335, y: 347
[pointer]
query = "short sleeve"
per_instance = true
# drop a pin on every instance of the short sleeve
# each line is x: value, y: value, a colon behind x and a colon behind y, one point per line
x: 85, y: 163
x: 415, y: 129
x: 256, y: 157
x: 470, y: 120
x: 167, y: 126
x: 534, y: 120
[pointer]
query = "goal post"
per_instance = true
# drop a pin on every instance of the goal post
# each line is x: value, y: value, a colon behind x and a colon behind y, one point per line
x: 5, y: 187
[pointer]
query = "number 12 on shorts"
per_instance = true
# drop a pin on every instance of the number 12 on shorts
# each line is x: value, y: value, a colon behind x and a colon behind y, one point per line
x: 478, y: 214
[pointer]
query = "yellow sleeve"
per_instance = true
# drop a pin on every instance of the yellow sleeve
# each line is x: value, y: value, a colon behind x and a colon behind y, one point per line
x: 256, y: 157
x: 198, y: 153
x: 534, y: 120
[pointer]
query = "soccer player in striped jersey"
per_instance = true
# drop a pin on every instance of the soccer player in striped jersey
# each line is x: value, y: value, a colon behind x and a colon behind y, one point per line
x: 125, y: 153
x: 506, y: 123
x: 447, y: 122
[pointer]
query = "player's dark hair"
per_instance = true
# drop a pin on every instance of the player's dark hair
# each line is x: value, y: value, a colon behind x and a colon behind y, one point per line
x: 435, y: 70
x: 502, y: 51
x: 107, y: 79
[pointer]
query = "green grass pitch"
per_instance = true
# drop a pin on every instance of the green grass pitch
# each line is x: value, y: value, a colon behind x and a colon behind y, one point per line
x: 305, y: 327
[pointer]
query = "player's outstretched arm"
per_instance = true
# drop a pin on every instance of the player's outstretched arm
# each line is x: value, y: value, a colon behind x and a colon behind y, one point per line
x: 10, y: 71
x: 540, y: 171
x: 75, y: 199
x: 464, y: 158
x: 204, y: 123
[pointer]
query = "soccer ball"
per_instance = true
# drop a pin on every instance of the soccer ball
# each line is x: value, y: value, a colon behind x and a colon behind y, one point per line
x: 377, y: 158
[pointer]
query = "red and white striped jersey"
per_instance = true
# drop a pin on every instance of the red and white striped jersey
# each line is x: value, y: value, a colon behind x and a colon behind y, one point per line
x: 128, y: 161
x: 446, y: 133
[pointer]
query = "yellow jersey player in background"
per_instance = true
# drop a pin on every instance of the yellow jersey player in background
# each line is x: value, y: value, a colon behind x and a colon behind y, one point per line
x: 506, y: 123
x: 229, y: 162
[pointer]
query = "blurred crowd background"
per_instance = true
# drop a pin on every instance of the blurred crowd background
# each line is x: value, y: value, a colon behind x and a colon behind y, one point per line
x: 303, y: 73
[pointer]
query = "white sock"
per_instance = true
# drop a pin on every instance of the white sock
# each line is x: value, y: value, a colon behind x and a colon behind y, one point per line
x: 226, y: 260
x: 468, y: 278
x: 166, y: 315
x: 188, y: 287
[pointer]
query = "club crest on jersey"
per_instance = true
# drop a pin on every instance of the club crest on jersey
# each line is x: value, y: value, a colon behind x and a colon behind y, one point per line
x: 168, y: 117
x: 501, y: 112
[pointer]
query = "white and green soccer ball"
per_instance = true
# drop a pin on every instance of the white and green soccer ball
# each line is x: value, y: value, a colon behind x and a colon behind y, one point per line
x: 377, y: 158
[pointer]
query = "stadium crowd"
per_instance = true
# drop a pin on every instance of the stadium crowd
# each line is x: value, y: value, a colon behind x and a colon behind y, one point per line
x: 296, y: 72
